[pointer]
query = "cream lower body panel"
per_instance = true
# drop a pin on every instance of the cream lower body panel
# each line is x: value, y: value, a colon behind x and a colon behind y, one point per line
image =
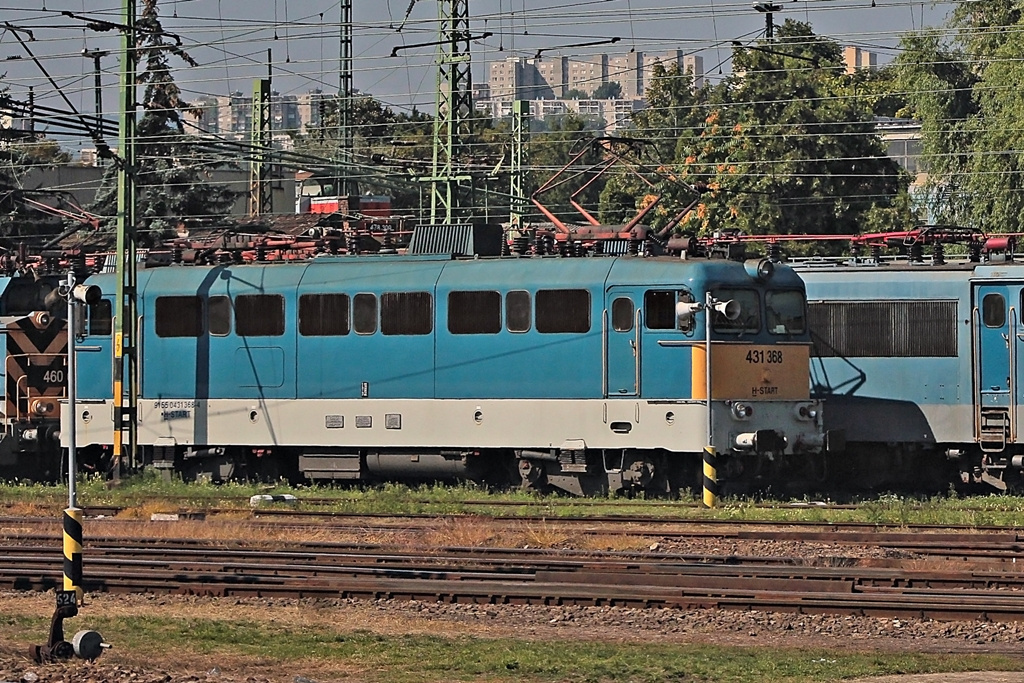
x: 388, y: 423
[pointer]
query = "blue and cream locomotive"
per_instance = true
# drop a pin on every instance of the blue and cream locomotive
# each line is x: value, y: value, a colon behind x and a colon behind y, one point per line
x: 920, y: 365
x: 586, y: 375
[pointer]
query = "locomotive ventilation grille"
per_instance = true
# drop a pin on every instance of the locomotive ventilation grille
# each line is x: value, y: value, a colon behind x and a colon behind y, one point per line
x: 866, y: 329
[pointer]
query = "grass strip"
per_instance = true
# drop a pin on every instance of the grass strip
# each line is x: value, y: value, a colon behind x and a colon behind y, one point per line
x: 144, y: 494
x: 402, y: 658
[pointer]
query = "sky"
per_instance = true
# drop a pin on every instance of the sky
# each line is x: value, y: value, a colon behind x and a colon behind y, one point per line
x: 230, y: 39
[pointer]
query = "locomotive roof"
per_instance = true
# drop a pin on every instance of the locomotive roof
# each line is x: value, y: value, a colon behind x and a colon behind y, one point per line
x: 402, y: 272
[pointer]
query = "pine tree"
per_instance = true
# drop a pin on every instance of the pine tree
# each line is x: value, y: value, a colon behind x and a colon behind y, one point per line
x: 173, y: 173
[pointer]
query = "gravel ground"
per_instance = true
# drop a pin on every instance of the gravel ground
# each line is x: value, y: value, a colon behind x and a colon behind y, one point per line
x: 487, y: 621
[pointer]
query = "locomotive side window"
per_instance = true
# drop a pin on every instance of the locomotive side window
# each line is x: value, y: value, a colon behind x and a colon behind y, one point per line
x: 406, y: 313
x: 323, y: 315
x: 101, y: 322
x: 993, y: 310
x: 474, y: 312
x: 218, y: 315
x: 622, y: 314
x: 517, y: 311
x: 364, y: 313
x: 179, y: 316
x: 259, y: 315
x: 660, y: 309
x: 563, y: 310
x: 749, y: 318
x: 785, y: 312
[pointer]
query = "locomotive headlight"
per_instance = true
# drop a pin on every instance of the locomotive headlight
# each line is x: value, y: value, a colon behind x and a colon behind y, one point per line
x: 806, y: 411
x: 742, y: 411
x: 759, y: 269
x: 43, y: 407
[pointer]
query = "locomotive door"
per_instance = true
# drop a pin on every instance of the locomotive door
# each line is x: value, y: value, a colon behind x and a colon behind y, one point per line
x: 622, y: 341
x: 995, y: 320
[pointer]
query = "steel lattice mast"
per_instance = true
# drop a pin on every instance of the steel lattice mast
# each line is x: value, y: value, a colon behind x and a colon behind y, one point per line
x: 346, y: 185
x: 451, y: 186
x: 126, y: 305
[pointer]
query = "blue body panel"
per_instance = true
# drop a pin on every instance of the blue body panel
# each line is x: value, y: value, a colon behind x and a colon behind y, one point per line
x: 882, y: 399
x: 387, y: 366
x: 439, y: 364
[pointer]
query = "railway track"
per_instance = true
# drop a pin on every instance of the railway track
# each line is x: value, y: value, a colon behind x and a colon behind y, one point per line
x: 937, y: 575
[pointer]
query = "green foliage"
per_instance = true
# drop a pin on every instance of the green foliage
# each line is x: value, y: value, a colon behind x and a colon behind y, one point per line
x: 784, y: 145
x: 963, y: 84
x: 608, y: 91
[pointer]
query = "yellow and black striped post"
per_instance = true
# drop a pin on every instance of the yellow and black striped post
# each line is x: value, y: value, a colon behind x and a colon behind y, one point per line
x: 710, y: 478
x: 73, y: 551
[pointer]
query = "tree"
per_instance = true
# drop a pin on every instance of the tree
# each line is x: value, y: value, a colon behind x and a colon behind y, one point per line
x: 608, y: 91
x: 173, y: 172
x: 779, y: 146
x: 963, y: 84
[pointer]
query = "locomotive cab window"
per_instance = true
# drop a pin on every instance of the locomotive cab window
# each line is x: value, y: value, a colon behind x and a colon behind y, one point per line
x: 563, y: 310
x: 748, y: 305
x: 406, y: 313
x: 993, y: 310
x: 100, y: 316
x: 622, y: 314
x: 259, y: 315
x: 474, y: 312
x: 323, y: 315
x: 660, y: 310
x: 785, y: 312
x: 179, y: 316
x: 517, y: 311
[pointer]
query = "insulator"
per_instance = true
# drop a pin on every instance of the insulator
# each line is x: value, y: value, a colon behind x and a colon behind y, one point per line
x: 916, y: 252
x: 634, y: 247
x: 876, y: 253
x: 505, y: 251
x: 352, y: 242
x: 580, y: 250
x: 938, y: 254
x: 775, y: 252
x: 521, y: 245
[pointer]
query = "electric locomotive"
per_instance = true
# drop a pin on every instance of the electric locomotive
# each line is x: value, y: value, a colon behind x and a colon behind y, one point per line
x: 919, y: 363
x: 586, y: 375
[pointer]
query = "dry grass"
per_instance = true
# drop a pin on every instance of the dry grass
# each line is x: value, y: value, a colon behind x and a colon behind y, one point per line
x: 461, y: 531
x: 614, y: 542
x: 24, y: 508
